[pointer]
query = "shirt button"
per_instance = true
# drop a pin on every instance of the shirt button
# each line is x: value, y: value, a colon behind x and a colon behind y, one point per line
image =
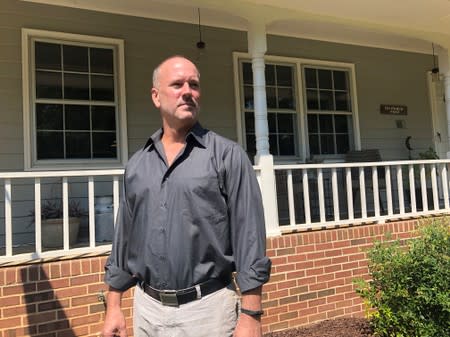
x: 162, y: 230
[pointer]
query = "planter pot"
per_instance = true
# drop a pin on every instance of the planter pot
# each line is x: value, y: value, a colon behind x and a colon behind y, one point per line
x: 52, y: 232
x: 104, y: 220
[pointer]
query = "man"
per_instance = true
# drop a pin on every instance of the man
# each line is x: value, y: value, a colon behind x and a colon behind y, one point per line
x: 190, y: 216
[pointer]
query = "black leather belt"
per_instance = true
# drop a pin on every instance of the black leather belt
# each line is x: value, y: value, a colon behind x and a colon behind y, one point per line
x: 175, y: 298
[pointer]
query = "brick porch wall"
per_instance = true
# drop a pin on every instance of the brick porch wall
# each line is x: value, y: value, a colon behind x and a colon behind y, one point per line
x: 311, y: 280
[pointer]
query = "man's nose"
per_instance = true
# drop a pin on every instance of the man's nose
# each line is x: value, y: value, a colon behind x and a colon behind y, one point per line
x: 186, y: 89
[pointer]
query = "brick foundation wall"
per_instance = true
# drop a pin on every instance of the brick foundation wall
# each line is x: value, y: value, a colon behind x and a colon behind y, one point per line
x: 311, y: 281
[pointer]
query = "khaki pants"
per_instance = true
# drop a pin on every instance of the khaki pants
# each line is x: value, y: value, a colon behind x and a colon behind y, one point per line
x: 214, y: 315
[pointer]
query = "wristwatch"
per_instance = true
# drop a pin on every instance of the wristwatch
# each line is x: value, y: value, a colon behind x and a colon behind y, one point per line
x: 252, y: 313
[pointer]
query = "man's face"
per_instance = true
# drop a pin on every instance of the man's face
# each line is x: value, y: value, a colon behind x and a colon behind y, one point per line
x: 177, y: 92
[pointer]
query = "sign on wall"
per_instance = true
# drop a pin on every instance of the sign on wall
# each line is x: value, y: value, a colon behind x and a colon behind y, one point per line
x: 393, y: 109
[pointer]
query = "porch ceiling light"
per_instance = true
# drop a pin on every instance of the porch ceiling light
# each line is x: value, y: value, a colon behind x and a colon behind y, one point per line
x: 200, y: 44
x: 435, y: 69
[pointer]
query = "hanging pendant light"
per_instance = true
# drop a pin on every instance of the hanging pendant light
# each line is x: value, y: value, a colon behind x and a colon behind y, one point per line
x: 435, y: 69
x: 200, y: 44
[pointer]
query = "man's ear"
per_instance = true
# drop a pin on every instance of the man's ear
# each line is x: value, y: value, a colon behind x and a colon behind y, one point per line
x: 155, y: 97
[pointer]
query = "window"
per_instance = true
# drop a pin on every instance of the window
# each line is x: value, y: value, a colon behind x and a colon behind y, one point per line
x: 281, y: 108
x: 76, y: 112
x: 310, y: 107
x: 329, y: 110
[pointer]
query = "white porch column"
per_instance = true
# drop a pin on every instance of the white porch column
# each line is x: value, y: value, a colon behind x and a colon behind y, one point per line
x: 257, y: 46
x: 444, y: 69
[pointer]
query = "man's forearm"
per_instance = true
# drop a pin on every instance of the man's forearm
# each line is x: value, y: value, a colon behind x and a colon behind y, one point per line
x: 114, y: 298
x: 251, y: 299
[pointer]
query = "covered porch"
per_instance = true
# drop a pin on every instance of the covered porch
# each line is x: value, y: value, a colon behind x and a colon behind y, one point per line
x: 302, y: 86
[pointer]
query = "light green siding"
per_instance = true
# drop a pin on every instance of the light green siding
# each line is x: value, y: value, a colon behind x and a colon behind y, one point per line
x: 382, y: 76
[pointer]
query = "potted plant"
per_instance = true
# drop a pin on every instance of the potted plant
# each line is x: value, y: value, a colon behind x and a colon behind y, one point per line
x: 52, y: 222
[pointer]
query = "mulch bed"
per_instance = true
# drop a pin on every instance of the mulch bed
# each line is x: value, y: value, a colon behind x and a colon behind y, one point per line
x: 340, y: 327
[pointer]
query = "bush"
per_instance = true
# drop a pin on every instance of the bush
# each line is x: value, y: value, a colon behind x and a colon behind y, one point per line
x: 409, y: 294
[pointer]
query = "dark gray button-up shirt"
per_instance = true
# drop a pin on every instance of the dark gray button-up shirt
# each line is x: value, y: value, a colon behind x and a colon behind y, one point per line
x: 198, y: 219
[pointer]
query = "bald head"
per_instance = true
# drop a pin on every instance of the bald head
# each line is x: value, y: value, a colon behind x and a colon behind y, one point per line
x: 165, y: 63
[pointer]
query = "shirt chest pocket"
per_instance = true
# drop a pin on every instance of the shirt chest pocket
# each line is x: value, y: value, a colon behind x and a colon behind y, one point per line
x: 201, y: 198
x: 197, y: 187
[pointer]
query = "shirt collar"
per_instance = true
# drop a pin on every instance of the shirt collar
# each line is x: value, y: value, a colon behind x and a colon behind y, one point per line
x: 197, y: 132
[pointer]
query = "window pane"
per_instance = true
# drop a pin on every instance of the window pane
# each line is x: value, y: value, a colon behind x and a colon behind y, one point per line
x: 102, y: 88
x: 326, y: 123
x: 102, y: 60
x: 272, y: 121
x: 284, y: 76
x: 340, y: 80
x: 47, y: 55
x: 249, y: 122
x: 326, y: 100
x: 314, y: 144
x: 286, y: 123
x: 78, y: 145
x: 103, y: 118
x: 341, y: 124
x: 287, y: 145
x: 325, y: 79
x: 342, y: 144
x: 49, y: 145
x: 104, y: 145
x: 327, y: 144
x: 285, y: 98
x: 273, y: 145
x: 247, y: 73
x: 48, y: 84
x: 342, y: 101
x: 76, y: 86
x: 251, y: 144
x: 310, y: 78
x: 49, y: 116
x: 270, y: 74
x: 271, y: 97
x: 248, y: 97
x: 75, y: 58
x: 313, y: 126
x: 312, y: 99
x: 77, y: 117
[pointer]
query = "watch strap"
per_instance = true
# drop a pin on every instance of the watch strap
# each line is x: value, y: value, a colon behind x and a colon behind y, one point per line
x: 252, y: 313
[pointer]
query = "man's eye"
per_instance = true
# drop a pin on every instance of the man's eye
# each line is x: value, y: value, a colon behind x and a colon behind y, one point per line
x: 194, y: 85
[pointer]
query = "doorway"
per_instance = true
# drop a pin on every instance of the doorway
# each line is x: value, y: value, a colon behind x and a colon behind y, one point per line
x: 439, y: 114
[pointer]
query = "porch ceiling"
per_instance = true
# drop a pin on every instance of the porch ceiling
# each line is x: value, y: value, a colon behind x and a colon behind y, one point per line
x: 403, y: 24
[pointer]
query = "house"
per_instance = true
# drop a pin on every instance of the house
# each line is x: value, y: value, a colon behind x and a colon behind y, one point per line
x: 300, y: 85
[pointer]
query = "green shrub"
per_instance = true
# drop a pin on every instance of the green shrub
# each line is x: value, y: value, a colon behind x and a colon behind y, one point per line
x: 409, y: 293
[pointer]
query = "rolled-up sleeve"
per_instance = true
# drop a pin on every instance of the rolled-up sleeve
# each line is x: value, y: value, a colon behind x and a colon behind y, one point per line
x: 246, y: 215
x: 116, y: 271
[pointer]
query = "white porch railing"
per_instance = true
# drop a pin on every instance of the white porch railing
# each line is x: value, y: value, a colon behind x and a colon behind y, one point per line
x: 309, y: 196
x: 323, y: 195
x: 34, y: 178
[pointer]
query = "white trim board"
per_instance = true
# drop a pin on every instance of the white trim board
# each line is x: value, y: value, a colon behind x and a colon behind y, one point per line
x: 29, y: 148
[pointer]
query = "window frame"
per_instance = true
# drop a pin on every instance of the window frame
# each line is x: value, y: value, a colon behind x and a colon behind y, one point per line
x: 333, y: 113
x: 302, y: 142
x: 29, y: 36
x: 276, y: 111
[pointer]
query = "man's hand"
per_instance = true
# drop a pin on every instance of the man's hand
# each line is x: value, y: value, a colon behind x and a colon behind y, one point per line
x: 114, y: 320
x: 248, y: 327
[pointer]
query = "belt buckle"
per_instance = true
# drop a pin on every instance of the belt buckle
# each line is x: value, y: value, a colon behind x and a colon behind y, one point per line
x: 169, y: 298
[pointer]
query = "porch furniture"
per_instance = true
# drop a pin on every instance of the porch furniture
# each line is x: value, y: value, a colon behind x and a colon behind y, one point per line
x: 367, y: 155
